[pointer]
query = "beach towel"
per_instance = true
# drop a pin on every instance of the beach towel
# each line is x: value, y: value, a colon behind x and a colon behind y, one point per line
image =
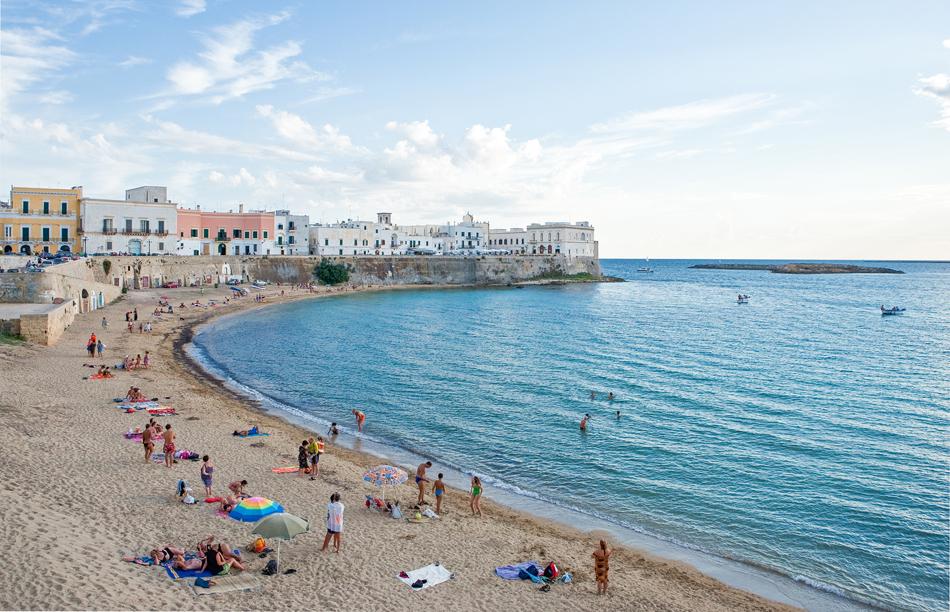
x: 225, y: 584
x: 138, y: 405
x: 512, y: 572
x: 135, y: 435
x: 432, y: 574
x: 163, y: 411
x: 253, y: 435
x: 285, y: 470
x: 178, y: 574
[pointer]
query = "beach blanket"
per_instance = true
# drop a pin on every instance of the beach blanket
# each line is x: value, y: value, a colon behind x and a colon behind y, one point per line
x: 135, y: 436
x: 121, y: 400
x: 432, y: 574
x: 137, y: 405
x: 224, y: 584
x: 253, y: 435
x: 162, y: 411
x: 512, y: 572
x: 285, y: 470
x: 178, y: 574
x: 100, y: 376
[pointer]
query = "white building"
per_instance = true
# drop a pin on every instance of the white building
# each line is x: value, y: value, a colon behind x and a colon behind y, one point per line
x: 513, y: 241
x: 134, y: 226
x: 561, y: 237
x: 345, y: 238
x: 291, y: 236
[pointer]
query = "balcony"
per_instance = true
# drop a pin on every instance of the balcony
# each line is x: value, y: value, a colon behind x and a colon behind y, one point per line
x: 109, y: 231
x: 160, y: 233
x: 222, y: 238
x: 128, y: 232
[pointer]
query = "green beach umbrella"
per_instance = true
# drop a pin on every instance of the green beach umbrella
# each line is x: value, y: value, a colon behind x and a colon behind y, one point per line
x: 282, y: 526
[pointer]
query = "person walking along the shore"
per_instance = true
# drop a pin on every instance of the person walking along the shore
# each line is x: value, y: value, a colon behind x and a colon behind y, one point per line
x: 360, y: 419
x: 207, y: 470
x: 475, y: 502
x: 169, y: 446
x: 334, y: 523
x: 601, y: 567
x: 421, y: 481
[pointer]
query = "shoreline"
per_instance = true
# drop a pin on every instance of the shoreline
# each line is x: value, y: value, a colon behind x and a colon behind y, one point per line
x: 734, y: 573
x: 70, y: 557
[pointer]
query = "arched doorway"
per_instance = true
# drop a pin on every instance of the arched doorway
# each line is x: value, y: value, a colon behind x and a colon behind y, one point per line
x: 25, y: 249
x: 8, y: 249
x: 84, y: 302
x: 222, y: 249
x: 64, y: 248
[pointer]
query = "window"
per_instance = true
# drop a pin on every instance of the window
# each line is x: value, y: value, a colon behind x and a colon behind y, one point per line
x: 108, y: 246
x: 236, y: 233
x: 26, y: 207
x: 290, y: 239
x: 63, y: 207
x: 247, y: 235
x: 254, y: 234
x: 206, y: 232
x: 194, y: 233
x: 341, y: 251
x: 161, y: 246
x: 64, y: 234
x: 265, y: 234
x: 326, y: 242
x: 290, y: 226
x: 144, y: 224
x: 45, y: 234
x: 45, y: 208
x: 280, y: 240
x: 24, y: 232
x: 161, y: 226
x: 7, y: 232
x: 341, y: 244
x: 128, y: 225
x: 195, y: 252
x: 280, y: 226
x: 255, y: 248
x: 355, y: 242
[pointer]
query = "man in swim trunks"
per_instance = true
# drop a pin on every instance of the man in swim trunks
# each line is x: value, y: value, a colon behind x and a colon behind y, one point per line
x: 169, y: 447
x: 315, y: 449
x: 237, y: 487
x: 421, y: 480
x: 360, y: 419
x: 148, y: 442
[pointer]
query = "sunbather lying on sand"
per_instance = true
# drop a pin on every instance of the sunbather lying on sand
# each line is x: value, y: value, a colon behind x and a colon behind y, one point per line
x: 167, y: 553
x: 227, y: 504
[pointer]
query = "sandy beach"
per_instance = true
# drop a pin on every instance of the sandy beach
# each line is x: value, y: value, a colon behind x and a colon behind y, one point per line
x: 78, y: 496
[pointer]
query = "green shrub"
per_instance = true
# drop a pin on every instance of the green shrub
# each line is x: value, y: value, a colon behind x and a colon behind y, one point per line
x: 331, y: 273
x: 125, y: 290
x: 106, y: 265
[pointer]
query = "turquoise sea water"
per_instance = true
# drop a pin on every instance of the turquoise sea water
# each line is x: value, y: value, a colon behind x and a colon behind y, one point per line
x: 802, y: 432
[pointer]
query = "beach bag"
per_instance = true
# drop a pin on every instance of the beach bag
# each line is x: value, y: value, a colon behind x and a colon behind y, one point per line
x: 551, y: 572
x: 259, y: 545
x: 271, y: 568
x: 204, y: 583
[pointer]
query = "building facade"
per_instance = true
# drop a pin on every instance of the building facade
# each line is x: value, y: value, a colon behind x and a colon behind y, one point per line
x: 512, y: 241
x: 291, y: 233
x: 145, y: 223
x: 561, y: 237
x: 203, y: 232
x: 41, y: 220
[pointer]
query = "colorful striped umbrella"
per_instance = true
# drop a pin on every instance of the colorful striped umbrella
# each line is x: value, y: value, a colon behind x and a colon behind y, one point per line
x: 254, y: 509
x: 385, y: 475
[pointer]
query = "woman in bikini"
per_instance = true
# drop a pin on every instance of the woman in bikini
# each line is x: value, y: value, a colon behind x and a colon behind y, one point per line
x: 601, y: 567
x: 163, y: 555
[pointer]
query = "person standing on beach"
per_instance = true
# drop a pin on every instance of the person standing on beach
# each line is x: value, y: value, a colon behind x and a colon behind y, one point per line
x: 169, y: 446
x: 475, y: 502
x: 100, y: 347
x: 207, y: 469
x: 601, y: 567
x: 421, y: 480
x: 360, y: 419
x: 135, y: 314
x: 302, y: 463
x: 334, y: 523
x: 315, y: 449
x: 105, y: 323
x: 148, y: 441
x: 438, y: 489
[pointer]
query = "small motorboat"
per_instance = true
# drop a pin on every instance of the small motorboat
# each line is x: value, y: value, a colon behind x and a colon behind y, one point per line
x: 645, y: 270
x: 893, y: 310
x: 742, y: 299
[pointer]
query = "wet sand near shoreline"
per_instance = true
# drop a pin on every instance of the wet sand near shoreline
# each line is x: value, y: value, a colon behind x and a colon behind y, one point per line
x: 78, y: 496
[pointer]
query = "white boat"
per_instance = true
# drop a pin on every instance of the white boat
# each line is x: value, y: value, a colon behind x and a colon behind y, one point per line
x: 645, y: 270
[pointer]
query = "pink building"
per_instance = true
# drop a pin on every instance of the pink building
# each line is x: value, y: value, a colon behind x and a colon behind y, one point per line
x: 203, y: 232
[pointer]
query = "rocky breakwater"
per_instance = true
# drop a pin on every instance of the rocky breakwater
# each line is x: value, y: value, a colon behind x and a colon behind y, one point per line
x: 800, y: 268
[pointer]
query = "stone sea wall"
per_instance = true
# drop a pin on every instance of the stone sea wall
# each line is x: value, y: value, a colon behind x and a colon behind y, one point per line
x: 142, y: 272
x: 72, y: 282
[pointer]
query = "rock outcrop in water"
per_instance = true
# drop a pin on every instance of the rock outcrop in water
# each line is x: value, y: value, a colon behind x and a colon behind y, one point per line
x: 800, y: 268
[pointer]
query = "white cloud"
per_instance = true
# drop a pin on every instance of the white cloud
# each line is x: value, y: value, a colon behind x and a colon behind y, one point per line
x: 946, y: 43
x: 178, y: 138
x: 684, y: 116
x: 418, y: 132
x: 190, y: 8
x: 30, y: 56
x: 229, y: 66
x: 937, y: 87
x: 241, y: 178
x: 328, y: 93
x: 134, y: 60
x: 679, y: 154
x: 297, y: 130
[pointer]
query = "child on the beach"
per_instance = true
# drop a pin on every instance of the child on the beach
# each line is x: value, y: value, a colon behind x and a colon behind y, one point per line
x: 207, y: 469
x: 438, y: 489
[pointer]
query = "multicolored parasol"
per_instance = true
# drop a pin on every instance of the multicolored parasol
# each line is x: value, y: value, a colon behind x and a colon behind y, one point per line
x: 385, y: 476
x: 254, y: 508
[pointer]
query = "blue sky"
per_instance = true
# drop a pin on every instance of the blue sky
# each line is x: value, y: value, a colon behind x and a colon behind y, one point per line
x: 682, y: 129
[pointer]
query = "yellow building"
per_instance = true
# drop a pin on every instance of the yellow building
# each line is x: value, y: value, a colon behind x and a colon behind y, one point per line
x: 41, y: 219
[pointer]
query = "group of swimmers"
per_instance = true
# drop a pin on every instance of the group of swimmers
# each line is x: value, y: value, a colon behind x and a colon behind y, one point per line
x: 587, y: 417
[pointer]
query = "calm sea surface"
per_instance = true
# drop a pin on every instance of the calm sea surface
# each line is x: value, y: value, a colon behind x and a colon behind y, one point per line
x: 802, y: 432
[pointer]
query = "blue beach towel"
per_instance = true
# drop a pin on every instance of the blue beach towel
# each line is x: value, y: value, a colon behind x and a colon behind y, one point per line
x: 513, y: 572
x: 175, y: 574
x: 254, y: 435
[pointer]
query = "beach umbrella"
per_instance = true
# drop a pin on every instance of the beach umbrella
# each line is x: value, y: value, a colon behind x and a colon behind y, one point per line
x: 281, y: 526
x: 255, y: 508
x: 385, y: 476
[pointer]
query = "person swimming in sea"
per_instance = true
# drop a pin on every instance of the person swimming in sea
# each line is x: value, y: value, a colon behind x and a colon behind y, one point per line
x: 334, y: 430
x: 593, y: 395
x: 584, y: 422
x: 610, y: 396
x: 618, y: 415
